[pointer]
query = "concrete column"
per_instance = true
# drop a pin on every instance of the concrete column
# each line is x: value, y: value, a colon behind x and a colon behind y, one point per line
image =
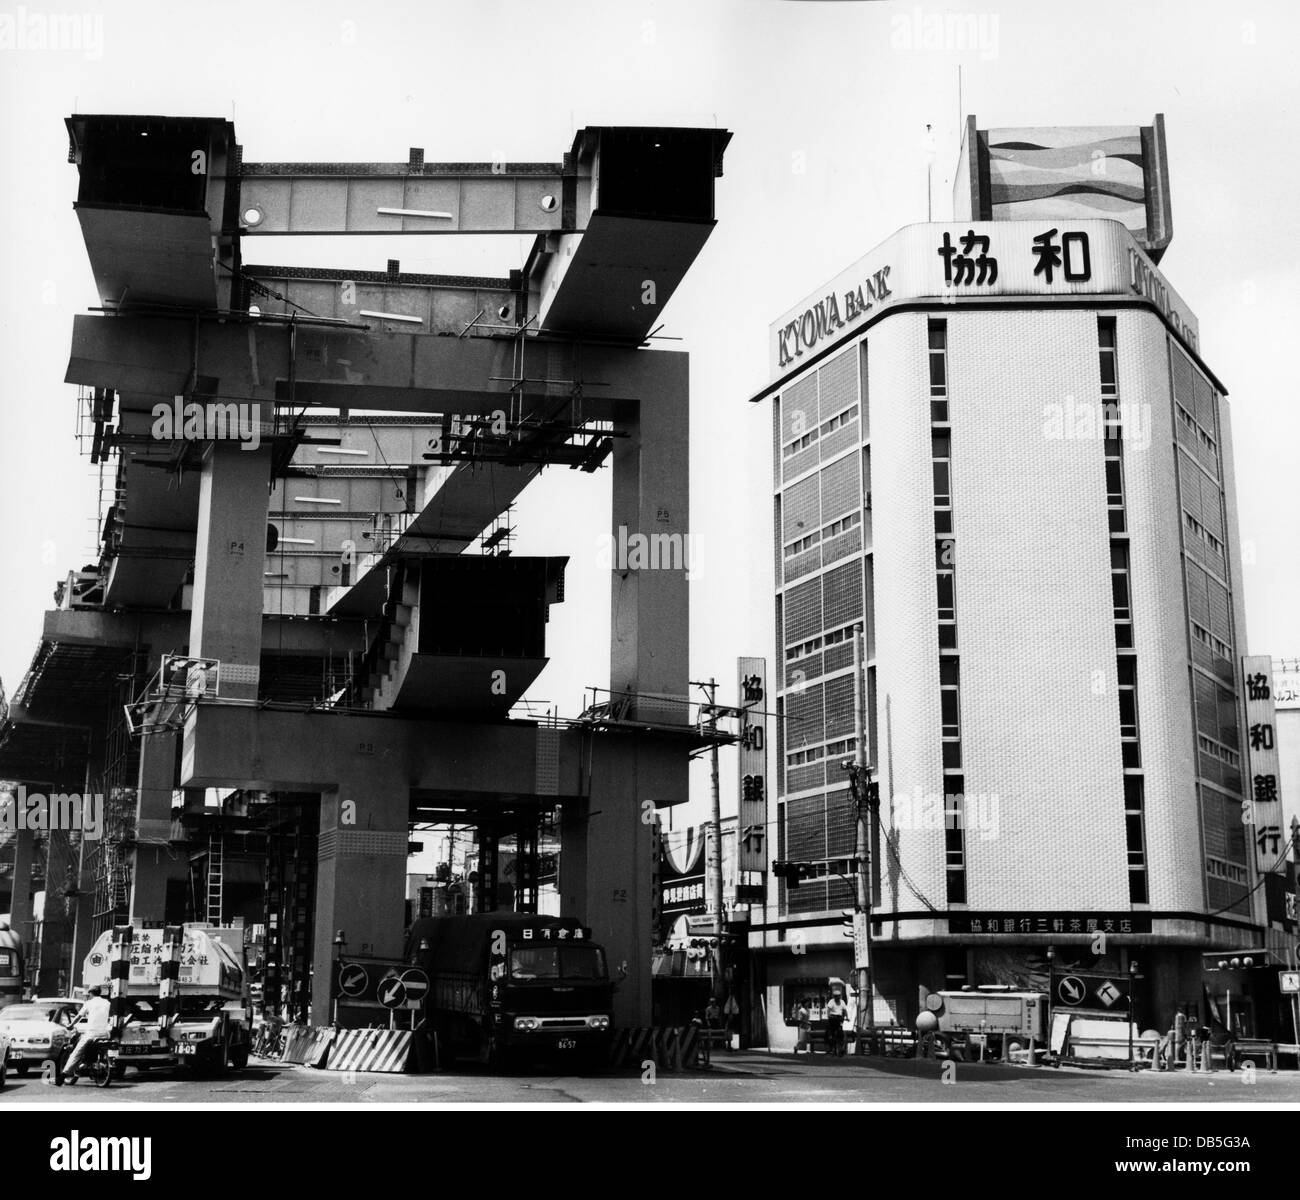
x: 83, y: 922
x: 651, y: 514
x: 360, y: 876
x: 155, y: 862
x: 606, y: 860
x: 229, y: 561
x: 20, y: 911
x: 648, y: 658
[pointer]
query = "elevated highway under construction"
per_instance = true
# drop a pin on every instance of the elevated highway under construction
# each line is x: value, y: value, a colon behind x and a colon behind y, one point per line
x: 306, y: 633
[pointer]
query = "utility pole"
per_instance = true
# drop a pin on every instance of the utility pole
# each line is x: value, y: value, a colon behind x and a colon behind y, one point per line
x: 865, y: 800
x: 715, y: 842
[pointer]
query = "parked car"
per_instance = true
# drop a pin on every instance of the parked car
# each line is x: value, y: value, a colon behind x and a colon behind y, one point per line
x: 36, y: 1030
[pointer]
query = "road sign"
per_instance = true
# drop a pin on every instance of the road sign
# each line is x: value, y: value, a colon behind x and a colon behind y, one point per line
x: 391, y: 992
x: 416, y: 983
x: 1108, y: 993
x: 353, y: 979
x: 1288, y: 981
x: 1071, y: 990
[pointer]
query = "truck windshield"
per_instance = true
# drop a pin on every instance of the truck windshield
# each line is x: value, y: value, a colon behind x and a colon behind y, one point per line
x: 557, y: 962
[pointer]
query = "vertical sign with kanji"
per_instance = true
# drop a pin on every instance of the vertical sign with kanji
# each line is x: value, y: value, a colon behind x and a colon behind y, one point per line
x: 752, y: 832
x: 1262, y: 810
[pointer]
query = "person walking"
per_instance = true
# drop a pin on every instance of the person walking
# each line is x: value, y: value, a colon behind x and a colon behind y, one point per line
x: 803, y: 1020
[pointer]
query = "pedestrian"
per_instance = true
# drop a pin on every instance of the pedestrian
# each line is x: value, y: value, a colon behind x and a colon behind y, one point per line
x: 836, y: 1012
x: 713, y: 1014
x: 95, y: 1021
x: 803, y: 1020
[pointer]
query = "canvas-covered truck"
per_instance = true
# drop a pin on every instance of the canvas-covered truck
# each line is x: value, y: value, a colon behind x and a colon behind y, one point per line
x: 208, y: 1027
x: 511, y: 988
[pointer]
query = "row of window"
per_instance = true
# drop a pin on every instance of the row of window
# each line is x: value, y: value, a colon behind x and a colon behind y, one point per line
x: 1194, y: 526
x: 1122, y: 599
x: 1216, y: 749
x: 812, y: 754
x: 838, y: 421
x: 812, y: 645
x: 1193, y: 427
x: 834, y: 529
x: 1206, y: 638
x: 945, y: 568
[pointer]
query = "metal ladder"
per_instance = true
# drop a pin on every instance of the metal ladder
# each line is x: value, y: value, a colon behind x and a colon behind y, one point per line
x: 216, y: 861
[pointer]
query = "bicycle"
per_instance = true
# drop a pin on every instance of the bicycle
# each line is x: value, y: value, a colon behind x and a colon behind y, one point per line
x: 98, y: 1064
x: 836, y: 1041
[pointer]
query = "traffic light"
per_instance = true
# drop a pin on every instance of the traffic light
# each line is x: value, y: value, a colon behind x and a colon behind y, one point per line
x: 791, y: 872
x: 847, y: 922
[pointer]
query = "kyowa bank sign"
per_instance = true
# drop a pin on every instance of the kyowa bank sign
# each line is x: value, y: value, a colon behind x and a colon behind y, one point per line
x: 969, y: 261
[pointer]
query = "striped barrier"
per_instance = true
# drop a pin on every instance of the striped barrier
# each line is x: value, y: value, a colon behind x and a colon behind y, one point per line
x: 318, y: 1051
x: 298, y: 1042
x: 386, y: 1050
x: 673, y: 1048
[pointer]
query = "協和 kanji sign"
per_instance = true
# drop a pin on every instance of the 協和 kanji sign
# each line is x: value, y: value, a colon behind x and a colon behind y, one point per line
x: 1261, y: 811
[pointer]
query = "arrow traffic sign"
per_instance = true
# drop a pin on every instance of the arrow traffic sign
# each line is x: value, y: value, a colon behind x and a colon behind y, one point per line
x: 391, y: 992
x: 353, y: 979
x: 1071, y: 990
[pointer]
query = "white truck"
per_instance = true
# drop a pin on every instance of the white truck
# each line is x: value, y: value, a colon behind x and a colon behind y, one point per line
x: 209, y: 1029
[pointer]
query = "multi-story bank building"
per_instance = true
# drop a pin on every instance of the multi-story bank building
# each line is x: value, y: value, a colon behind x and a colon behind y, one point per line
x: 998, y: 450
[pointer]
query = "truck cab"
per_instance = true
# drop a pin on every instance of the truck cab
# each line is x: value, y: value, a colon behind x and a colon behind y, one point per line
x: 512, y: 987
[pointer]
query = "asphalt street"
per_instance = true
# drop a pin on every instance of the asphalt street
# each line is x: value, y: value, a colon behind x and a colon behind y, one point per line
x: 739, y: 1078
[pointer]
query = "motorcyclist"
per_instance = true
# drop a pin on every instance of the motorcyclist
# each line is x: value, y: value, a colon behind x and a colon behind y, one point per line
x: 93, y: 1024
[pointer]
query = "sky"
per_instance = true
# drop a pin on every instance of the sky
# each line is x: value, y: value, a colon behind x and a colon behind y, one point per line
x: 828, y: 102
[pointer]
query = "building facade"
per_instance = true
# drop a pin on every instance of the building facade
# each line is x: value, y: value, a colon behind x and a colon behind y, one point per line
x: 997, y: 450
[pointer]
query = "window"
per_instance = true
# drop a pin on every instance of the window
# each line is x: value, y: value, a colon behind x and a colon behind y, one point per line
x: 801, y: 544
x: 800, y: 443
x: 1135, y: 839
x: 1106, y: 347
x: 954, y: 837
x: 949, y: 698
x: 839, y: 420
x: 1114, y: 482
x: 1119, y: 584
x: 945, y: 574
x: 835, y: 528
x: 942, y: 469
x: 1128, y: 718
x: 938, y: 343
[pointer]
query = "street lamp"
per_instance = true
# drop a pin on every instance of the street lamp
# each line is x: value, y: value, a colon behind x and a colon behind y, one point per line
x: 1132, y: 981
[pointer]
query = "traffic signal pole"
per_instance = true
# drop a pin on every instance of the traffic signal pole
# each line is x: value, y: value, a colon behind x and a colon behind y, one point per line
x: 715, y: 844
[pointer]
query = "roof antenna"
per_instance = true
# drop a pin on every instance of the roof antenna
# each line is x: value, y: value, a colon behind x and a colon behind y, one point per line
x: 929, y: 172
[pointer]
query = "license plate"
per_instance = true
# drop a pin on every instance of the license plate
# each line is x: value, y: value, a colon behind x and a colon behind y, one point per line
x: 187, y: 1049
x: 565, y: 1044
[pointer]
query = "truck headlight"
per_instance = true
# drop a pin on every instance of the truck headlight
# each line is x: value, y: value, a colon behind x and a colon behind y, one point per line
x: 599, y: 1022
x: 526, y: 1024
